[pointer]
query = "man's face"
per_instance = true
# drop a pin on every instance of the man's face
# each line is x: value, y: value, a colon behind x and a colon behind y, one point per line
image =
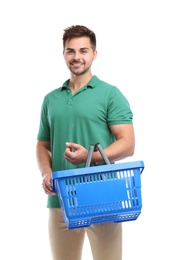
x: 79, y: 55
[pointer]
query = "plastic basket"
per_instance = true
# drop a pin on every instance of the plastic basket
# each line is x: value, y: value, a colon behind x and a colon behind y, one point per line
x: 99, y: 194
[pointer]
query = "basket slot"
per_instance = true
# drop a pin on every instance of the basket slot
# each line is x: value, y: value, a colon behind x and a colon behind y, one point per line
x: 105, y: 218
x: 126, y: 204
x: 71, y: 192
x: 127, y: 217
x: 95, y: 209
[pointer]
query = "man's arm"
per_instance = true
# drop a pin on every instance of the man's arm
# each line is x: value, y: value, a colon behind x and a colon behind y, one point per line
x: 43, y: 156
x: 123, y: 147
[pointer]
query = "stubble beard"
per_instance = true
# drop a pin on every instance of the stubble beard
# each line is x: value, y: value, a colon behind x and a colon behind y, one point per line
x: 79, y: 72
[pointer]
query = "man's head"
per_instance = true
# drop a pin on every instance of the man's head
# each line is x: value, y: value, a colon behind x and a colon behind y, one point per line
x: 79, y: 49
x: 77, y: 31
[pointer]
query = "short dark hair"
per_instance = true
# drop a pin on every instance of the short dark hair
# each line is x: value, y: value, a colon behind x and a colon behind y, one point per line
x: 76, y: 31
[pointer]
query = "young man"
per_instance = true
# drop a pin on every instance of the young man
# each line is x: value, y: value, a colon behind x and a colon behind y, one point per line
x: 84, y: 110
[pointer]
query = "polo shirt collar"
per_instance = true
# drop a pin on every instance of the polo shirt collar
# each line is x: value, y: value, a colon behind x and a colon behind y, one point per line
x: 92, y: 83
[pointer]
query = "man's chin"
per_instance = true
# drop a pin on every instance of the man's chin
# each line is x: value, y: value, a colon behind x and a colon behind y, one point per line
x: 78, y: 72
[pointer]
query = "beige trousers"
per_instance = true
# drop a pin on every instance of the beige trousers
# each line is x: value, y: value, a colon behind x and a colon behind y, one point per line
x: 105, y: 239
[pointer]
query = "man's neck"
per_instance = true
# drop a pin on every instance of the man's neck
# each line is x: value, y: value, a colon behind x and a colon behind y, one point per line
x: 77, y: 82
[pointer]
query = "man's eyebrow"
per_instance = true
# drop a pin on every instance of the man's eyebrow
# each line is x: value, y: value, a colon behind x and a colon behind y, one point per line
x: 83, y: 48
x: 69, y: 49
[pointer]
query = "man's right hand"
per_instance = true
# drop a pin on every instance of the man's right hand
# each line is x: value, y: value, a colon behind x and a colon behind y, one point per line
x: 47, y: 184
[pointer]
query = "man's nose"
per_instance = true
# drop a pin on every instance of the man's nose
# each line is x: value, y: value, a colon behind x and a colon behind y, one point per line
x: 76, y: 55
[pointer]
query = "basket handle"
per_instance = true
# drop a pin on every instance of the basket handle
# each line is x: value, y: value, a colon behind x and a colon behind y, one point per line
x: 93, y: 148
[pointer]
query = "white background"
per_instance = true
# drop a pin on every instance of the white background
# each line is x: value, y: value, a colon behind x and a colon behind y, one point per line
x: 136, y: 52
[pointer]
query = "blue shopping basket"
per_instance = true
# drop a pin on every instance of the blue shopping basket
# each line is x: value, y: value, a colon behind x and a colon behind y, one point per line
x: 99, y: 194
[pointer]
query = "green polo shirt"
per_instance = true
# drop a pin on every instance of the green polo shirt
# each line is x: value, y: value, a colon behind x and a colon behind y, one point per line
x: 82, y: 118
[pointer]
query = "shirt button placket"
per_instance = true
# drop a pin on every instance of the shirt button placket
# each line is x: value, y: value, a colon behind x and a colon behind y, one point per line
x: 70, y: 98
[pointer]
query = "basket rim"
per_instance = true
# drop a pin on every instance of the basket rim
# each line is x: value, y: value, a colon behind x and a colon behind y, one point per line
x: 99, y: 169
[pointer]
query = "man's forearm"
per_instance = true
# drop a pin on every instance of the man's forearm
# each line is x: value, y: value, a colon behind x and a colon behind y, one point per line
x: 116, y: 151
x: 43, y: 156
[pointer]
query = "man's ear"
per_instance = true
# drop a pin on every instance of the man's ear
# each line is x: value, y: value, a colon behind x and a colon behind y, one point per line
x: 95, y: 55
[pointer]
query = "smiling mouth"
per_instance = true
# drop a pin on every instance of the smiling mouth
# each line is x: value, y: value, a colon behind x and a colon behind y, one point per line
x: 76, y: 65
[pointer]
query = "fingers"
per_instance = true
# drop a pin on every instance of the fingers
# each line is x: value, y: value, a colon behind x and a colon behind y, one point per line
x: 72, y: 146
x: 71, y: 151
x: 70, y: 156
x: 75, y: 153
x: 47, y: 187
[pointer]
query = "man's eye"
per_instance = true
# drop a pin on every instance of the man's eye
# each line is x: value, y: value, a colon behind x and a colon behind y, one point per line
x: 84, y: 51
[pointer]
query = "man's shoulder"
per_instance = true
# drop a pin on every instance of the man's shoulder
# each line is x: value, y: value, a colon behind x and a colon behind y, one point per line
x: 109, y: 87
x: 57, y: 90
x: 53, y: 92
